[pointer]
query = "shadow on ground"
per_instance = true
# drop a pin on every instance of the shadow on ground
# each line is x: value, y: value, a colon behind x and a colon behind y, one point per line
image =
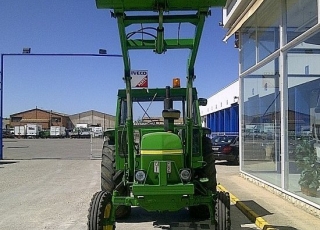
x: 226, y: 163
x: 167, y: 220
x: 6, y: 162
x: 181, y: 220
x: 279, y: 227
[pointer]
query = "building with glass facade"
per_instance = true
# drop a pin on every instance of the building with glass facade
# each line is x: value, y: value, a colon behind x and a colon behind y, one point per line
x: 279, y: 94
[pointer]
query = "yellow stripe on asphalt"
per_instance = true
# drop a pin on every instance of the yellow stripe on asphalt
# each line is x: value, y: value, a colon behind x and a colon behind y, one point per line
x: 175, y: 151
x: 254, y: 217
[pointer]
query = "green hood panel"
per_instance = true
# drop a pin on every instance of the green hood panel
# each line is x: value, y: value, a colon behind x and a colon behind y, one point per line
x: 163, y: 141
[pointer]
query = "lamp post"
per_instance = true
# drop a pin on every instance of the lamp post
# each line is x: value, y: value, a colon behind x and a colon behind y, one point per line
x: 27, y: 51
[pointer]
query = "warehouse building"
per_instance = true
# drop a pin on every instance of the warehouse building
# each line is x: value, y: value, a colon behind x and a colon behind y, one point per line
x: 93, y: 118
x: 44, y: 118
x: 48, y: 118
x: 279, y: 95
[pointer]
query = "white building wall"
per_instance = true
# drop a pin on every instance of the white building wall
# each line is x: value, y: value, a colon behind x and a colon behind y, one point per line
x: 222, y: 99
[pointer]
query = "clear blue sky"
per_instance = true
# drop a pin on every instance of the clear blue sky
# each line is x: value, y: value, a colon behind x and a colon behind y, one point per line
x: 76, y: 84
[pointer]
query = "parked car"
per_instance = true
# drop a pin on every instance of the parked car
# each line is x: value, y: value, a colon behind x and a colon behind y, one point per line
x: 226, y: 147
x: 7, y: 134
x: 80, y: 132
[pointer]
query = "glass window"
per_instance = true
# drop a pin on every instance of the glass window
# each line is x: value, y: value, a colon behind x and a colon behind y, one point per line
x: 260, y: 95
x: 268, y: 28
x: 248, y: 46
x: 261, y: 124
x: 260, y: 34
x: 56, y: 119
x: 304, y: 117
x: 123, y: 112
x: 301, y: 16
x: 16, y: 119
x: 223, y: 139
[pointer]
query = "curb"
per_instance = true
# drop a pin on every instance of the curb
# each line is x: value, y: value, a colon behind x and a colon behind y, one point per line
x: 249, y: 213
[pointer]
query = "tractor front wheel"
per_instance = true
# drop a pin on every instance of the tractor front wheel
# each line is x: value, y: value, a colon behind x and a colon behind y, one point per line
x: 111, y: 179
x: 100, y: 212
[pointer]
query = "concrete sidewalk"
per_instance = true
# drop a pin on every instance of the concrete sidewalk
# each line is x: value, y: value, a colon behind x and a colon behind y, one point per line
x: 265, y: 209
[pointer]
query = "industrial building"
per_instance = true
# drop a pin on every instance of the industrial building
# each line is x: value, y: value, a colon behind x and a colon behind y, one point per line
x: 93, y: 118
x: 48, y: 118
x: 279, y: 95
x: 222, y: 111
x: 44, y: 118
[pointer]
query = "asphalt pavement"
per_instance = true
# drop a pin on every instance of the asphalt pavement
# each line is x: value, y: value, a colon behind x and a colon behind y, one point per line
x: 48, y: 184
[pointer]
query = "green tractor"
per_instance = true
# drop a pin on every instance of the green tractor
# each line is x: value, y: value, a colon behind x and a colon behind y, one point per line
x: 161, y: 161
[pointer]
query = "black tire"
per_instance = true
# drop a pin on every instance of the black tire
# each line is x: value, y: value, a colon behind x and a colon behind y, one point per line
x: 235, y: 161
x: 222, y: 211
x: 100, y: 208
x: 112, y: 179
x: 209, y: 171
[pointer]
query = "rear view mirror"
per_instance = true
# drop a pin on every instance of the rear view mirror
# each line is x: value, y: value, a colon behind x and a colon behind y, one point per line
x: 202, y: 101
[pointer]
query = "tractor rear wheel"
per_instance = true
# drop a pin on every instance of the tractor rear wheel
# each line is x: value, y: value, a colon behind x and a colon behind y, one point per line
x: 111, y: 179
x: 209, y: 172
x: 100, y: 209
x: 210, y: 169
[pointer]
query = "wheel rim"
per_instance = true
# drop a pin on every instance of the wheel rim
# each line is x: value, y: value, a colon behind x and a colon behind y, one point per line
x: 108, y: 227
x: 107, y: 212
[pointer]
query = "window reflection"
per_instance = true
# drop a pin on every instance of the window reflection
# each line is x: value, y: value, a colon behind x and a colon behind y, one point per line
x: 301, y: 16
x: 304, y: 109
x: 260, y: 35
x: 261, y: 119
x: 261, y: 153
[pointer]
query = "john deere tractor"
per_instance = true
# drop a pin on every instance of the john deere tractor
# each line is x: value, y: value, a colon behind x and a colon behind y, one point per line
x: 161, y: 159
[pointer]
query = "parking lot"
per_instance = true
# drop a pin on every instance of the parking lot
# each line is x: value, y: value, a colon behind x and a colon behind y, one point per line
x: 48, y: 184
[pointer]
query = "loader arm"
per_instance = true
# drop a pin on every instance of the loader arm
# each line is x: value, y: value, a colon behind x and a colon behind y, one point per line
x: 159, y: 44
x: 133, y: 12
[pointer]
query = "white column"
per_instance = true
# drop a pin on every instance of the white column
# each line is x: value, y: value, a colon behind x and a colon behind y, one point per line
x: 240, y: 102
x: 284, y: 98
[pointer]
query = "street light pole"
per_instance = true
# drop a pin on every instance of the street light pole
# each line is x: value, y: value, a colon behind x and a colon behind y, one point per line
x: 1, y: 110
x: 26, y: 51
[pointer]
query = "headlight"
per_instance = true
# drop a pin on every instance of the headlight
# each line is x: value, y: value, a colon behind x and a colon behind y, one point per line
x: 140, y: 176
x: 185, y: 175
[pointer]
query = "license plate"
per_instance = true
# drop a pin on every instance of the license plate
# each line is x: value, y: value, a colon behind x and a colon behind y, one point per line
x: 215, y: 149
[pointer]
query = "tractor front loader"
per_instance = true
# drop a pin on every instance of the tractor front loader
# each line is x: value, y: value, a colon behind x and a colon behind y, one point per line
x: 159, y: 163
